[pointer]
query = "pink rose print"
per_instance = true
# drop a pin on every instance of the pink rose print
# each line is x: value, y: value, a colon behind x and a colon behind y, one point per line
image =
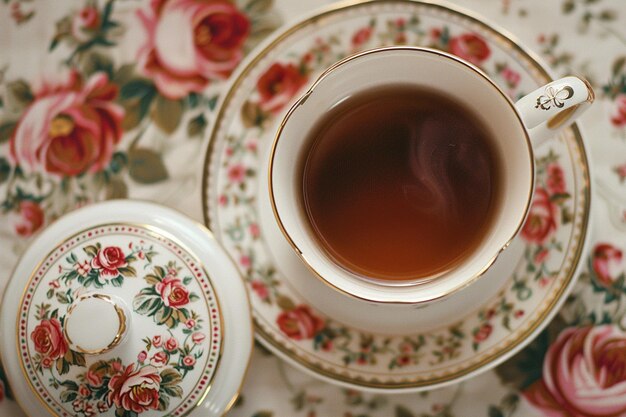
x: 171, y: 344
x: 28, y: 219
x: 159, y: 359
x: 47, y: 363
x: 300, y: 323
x: 260, y: 289
x: 278, y: 85
x: 483, y: 332
x: 173, y: 292
x: 619, y: 118
x: 108, y: 260
x: 511, y: 76
x: 84, y: 391
x: 143, y: 355
x: 48, y: 339
x: 189, y: 361
x: 157, y: 341
x: 69, y: 129
x: 541, y: 221
x: 136, y: 391
x: 583, y: 374
x: 198, y: 338
x: 206, y: 37
x: 556, y: 179
x: 255, y: 230
x: 605, y: 262
x: 190, y: 324
x: 470, y: 47
x: 237, y: 173
x: 85, y: 22
x: 93, y: 378
x: 361, y: 36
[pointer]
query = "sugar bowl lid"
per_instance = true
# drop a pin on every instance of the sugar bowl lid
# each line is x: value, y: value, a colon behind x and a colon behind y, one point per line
x: 125, y: 309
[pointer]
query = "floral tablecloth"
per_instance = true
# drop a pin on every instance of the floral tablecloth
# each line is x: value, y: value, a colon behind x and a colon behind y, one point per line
x: 113, y: 99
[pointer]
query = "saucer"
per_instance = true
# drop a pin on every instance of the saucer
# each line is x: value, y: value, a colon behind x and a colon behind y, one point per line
x: 358, y: 345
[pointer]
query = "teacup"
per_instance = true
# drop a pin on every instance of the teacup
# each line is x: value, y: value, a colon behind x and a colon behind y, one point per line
x: 515, y: 128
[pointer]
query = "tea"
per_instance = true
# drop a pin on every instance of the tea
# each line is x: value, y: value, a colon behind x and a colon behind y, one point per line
x: 399, y: 183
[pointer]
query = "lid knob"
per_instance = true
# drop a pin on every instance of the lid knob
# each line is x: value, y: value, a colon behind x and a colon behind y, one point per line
x: 95, y: 323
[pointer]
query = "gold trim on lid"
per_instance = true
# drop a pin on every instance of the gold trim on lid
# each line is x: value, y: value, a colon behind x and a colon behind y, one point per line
x: 121, y: 330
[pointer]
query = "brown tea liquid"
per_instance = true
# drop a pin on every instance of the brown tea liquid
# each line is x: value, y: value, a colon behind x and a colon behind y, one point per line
x: 399, y: 183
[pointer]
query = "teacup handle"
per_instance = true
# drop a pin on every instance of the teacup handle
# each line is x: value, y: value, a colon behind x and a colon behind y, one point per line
x: 554, y: 106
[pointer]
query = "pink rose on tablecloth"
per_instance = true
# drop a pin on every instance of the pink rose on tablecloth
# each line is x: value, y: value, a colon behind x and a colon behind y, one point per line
x: 28, y: 219
x: 583, y: 374
x: 278, y: 85
x: 136, y: 391
x: 85, y: 22
x: 556, y: 179
x: 108, y: 261
x: 541, y: 221
x: 605, y: 262
x: 470, y: 47
x: 619, y: 118
x: 48, y: 339
x: 189, y: 43
x: 69, y: 129
x: 173, y: 292
x: 299, y: 323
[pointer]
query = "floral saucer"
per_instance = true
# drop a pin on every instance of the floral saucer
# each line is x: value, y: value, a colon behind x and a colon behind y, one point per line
x: 361, y: 349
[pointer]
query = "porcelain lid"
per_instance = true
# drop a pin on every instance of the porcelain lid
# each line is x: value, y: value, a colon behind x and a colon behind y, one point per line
x: 123, y: 309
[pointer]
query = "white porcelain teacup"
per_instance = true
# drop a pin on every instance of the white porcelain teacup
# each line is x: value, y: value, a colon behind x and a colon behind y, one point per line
x: 515, y: 128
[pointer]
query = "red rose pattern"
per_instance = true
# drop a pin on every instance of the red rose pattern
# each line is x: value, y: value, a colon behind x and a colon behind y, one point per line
x: 605, y: 261
x: 173, y: 292
x: 556, y: 179
x: 619, y: 118
x: 583, y: 374
x: 189, y: 43
x: 483, y: 332
x: 278, y: 85
x: 470, y: 47
x: 69, y: 129
x: 541, y: 221
x: 48, y: 339
x: 28, y: 219
x: 136, y: 391
x: 108, y: 260
x: 299, y: 323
